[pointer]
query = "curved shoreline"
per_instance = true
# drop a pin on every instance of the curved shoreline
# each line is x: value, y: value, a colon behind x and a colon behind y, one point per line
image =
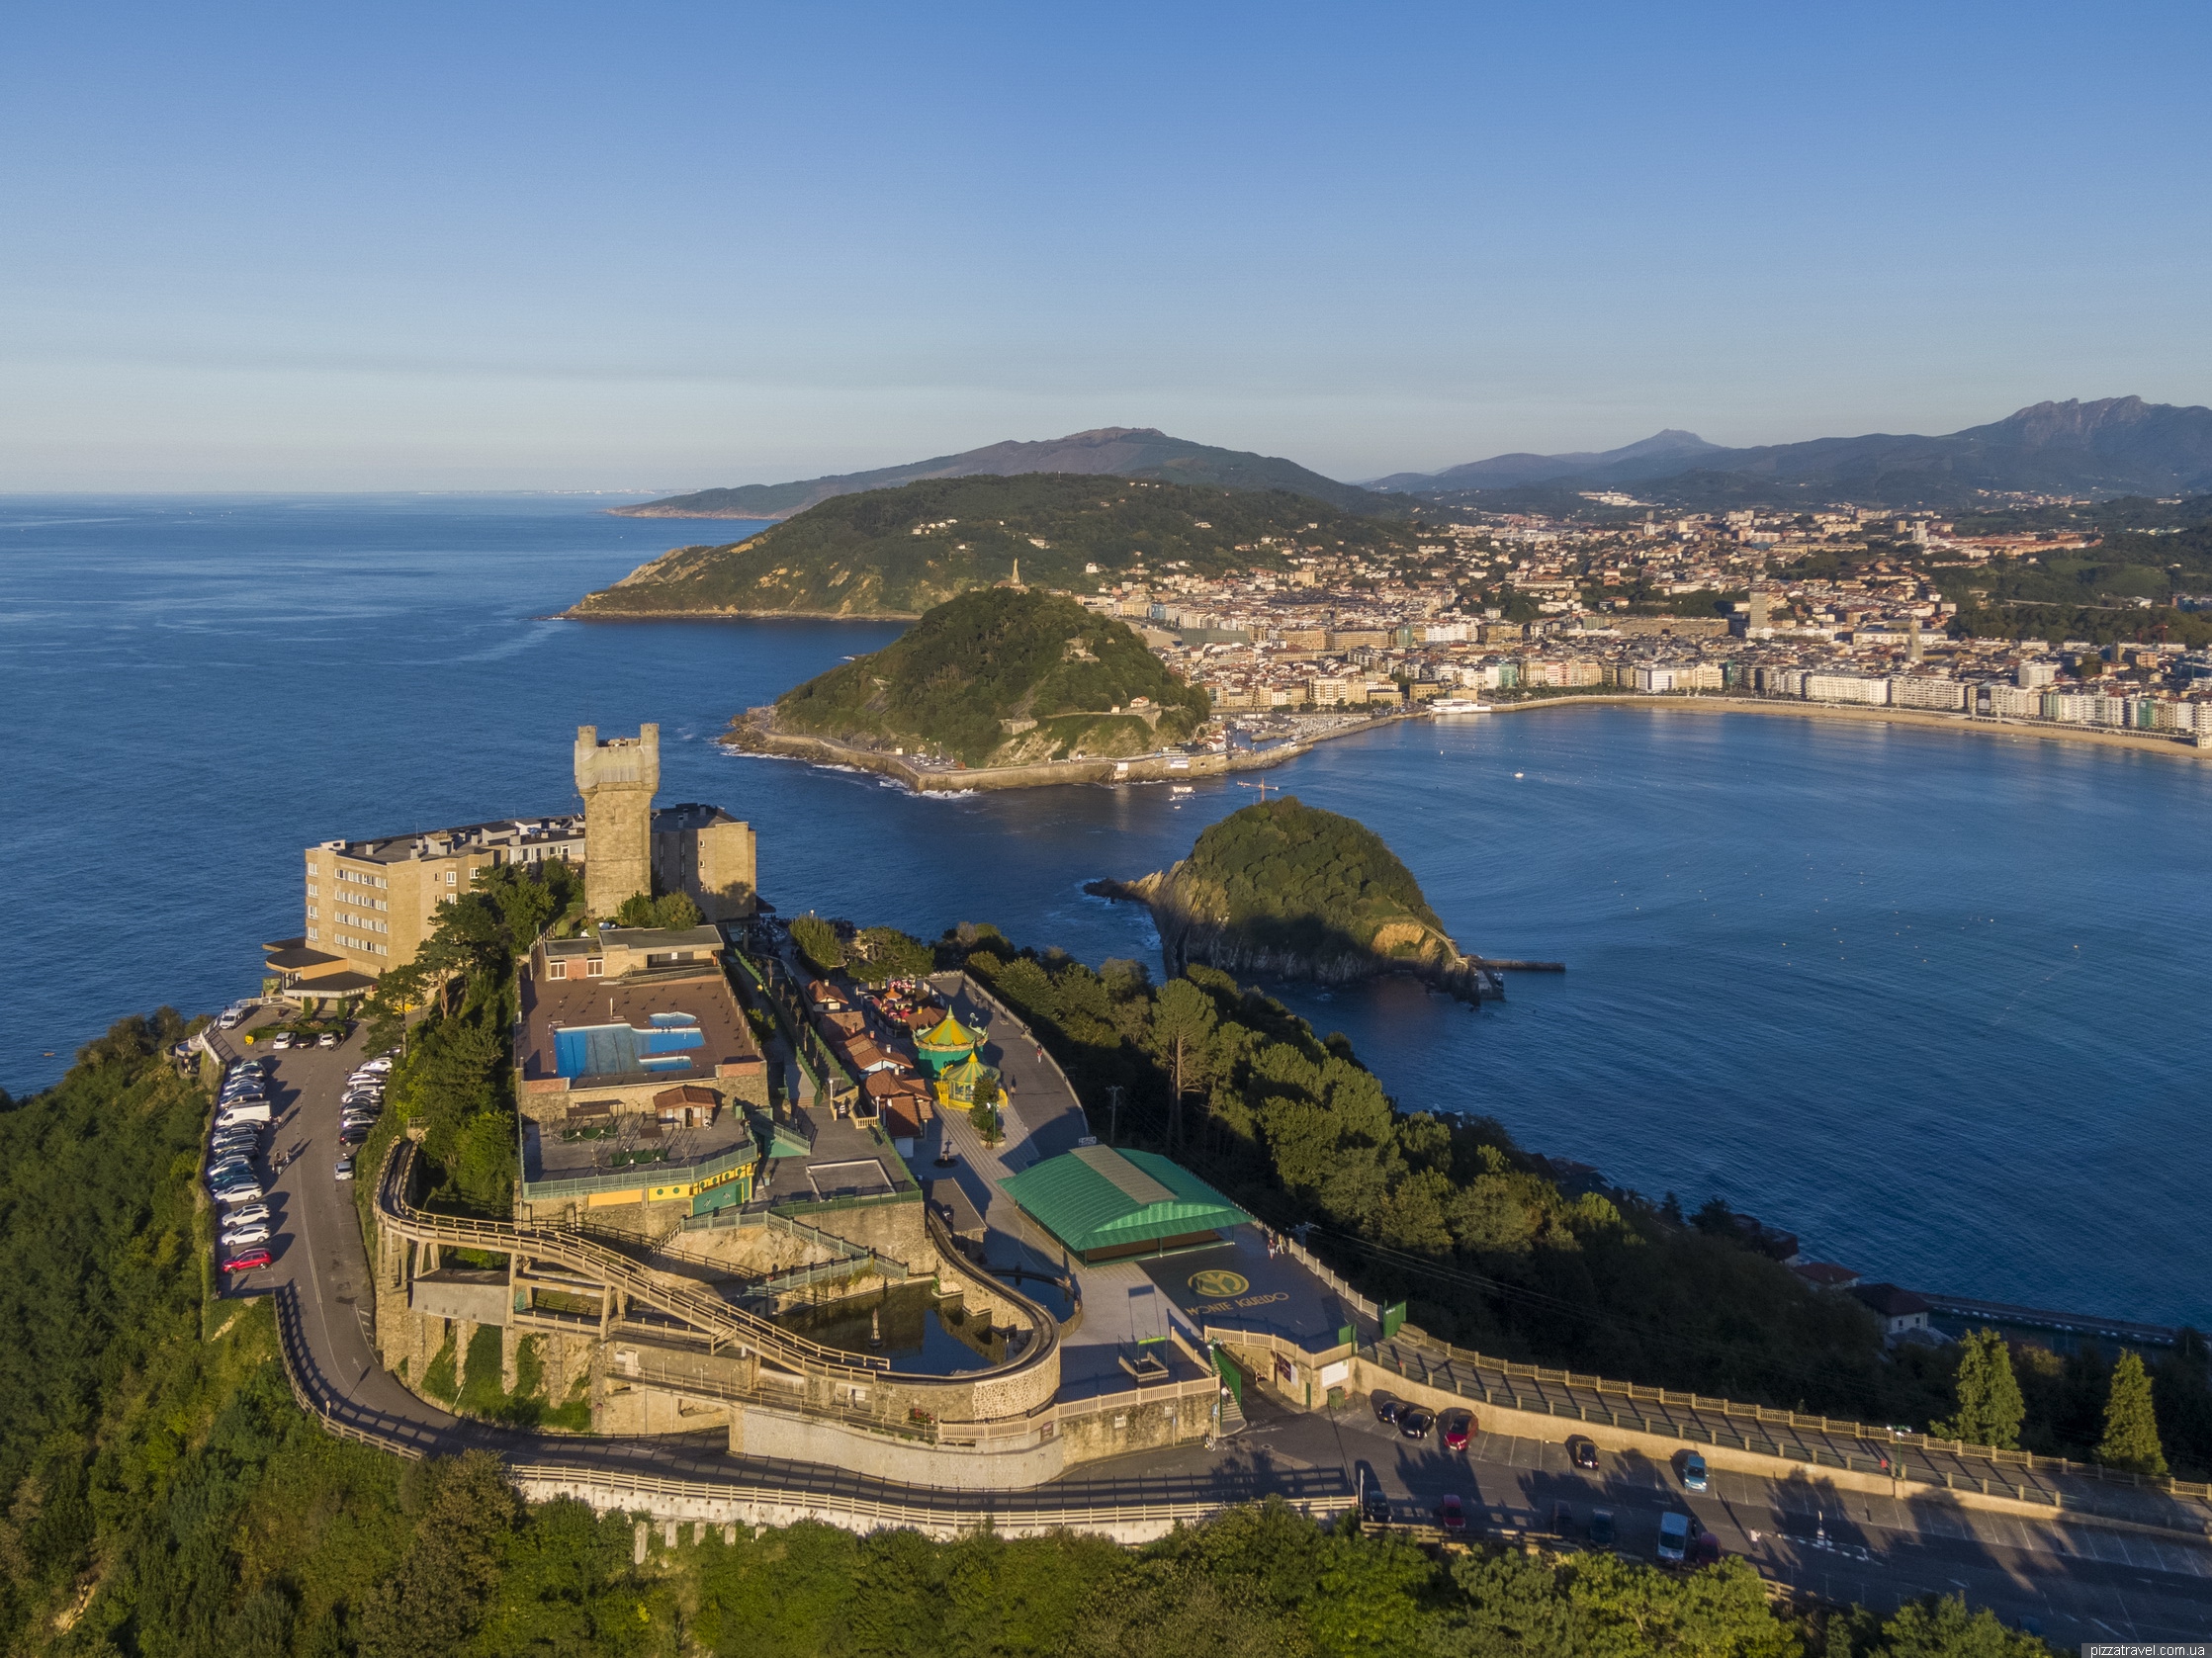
x: 2050, y: 730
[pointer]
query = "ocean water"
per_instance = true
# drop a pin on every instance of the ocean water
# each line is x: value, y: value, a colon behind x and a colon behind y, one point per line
x: 1934, y: 1000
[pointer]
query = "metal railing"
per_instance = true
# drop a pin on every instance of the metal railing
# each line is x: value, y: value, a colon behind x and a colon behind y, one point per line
x: 962, y: 1512
x: 722, y: 1322
x: 640, y: 1175
x: 1834, y: 1428
x: 1446, y: 1378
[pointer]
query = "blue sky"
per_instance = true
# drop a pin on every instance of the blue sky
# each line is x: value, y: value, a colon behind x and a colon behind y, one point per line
x: 660, y: 246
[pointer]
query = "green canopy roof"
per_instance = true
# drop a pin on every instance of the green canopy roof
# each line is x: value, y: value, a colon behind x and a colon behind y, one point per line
x: 1097, y: 1198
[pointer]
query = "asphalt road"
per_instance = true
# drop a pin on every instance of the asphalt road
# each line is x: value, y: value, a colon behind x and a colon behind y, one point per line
x: 2079, y: 1581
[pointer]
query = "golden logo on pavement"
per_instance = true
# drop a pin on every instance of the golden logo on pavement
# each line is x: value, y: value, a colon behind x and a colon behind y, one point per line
x: 1216, y: 1281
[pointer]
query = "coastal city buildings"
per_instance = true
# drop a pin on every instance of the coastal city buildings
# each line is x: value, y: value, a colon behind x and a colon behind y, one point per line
x: 1840, y: 606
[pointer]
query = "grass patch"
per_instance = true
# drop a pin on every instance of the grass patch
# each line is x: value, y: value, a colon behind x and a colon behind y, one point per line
x: 482, y: 1387
x: 441, y: 1381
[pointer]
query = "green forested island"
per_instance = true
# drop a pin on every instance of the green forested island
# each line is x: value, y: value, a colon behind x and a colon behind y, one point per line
x: 1000, y: 676
x: 899, y: 551
x: 1283, y: 887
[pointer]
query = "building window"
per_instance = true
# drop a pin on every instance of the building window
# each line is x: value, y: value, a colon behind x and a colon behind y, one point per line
x: 452, y: 878
x: 311, y: 936
x: 592, y: 966
x: 311, y: 911
x: 555, y: 970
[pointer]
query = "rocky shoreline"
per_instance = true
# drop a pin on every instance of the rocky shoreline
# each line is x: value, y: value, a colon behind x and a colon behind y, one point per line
x: 1187, y: 938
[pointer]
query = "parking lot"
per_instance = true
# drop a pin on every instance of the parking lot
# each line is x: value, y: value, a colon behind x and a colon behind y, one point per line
x: 276, y: 1145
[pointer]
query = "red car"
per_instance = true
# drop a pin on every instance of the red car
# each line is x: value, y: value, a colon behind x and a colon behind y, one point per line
x: 1452, y: 1515
x: 1458, y: 1428
x: 245, y: 1261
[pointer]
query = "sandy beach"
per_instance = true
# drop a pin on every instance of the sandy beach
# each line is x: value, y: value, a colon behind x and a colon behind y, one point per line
x: 2015, y: 728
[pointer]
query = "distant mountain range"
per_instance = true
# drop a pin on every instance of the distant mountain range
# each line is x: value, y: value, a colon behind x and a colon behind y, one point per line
x: 2113, y: 446
x: 1667, y: 450
x: 1110, y: 451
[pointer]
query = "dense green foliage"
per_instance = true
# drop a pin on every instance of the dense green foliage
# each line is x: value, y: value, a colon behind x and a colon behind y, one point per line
x: 901, y: 552
x: 165, y: 1497
x: 670, y: 910
x: 1990, y: 1409
x: 102, y: 1267
x: 958, y: 679
x: 818, y: 943
x: 1448, y: 1213
x: 1282, y: 875
x: 2131, y: 1426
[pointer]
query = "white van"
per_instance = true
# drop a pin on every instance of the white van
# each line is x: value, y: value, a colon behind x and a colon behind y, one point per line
x: 247, y: 1111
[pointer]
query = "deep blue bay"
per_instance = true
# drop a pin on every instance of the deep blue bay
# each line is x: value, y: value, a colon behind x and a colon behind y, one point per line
x: 1933, y: 1001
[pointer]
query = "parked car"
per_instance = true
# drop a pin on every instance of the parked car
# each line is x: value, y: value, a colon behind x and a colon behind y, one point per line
x: 238, y: 1237
x: 247, y: 1261
x: 1458, y: 1430
x: 229, y: 1019
x: 251, y: 1212
x: 1415, y: 1421
x: 353, y: 1134
x: 328, y: 1039
x: 382, y: 1062
x: 1582, y: 1453
x: 1375, y: 1506
x: 1452, y: 1515
x: 1387, y: 1408
x: 362, y: 1120
x: 1693, y: 1471
x: 1674, y: 1537
x: 1601, y: 1527
x: 252, y: 1110
x: 281, y: 1041
x: 1562, y: 1519
x: 237, y: 1193
x: 344, y: 1170
x: 1704, y: 1548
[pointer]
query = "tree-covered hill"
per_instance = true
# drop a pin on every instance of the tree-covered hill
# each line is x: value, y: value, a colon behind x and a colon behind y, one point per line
x: 1288, y: 887
x: 899, y: 551
x: 1001, y: 676
x: 1139, y: 451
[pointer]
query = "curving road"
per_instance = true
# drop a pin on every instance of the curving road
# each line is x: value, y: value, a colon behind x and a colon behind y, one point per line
x: 2078, y: 1580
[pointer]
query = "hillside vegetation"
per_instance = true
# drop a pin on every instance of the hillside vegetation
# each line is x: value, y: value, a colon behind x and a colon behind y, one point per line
x: 1139, y: 451
x: 900, y: 552
x: 1283, y: 887
x: 999, y: 676
x: 164, y: 1498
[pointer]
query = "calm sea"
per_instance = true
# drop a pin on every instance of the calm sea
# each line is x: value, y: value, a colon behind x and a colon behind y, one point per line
x: 1935, y: 1001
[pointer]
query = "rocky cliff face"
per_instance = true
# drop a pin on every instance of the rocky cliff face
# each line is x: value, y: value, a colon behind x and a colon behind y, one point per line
x: 1196, y: 928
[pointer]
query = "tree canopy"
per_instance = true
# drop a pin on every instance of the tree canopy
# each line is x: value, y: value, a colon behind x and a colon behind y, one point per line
x: 903, y: 551
x: 997, y: 676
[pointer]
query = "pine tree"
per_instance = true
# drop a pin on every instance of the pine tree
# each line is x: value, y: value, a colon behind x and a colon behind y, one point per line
x: 1990, y: 1408
x: 2131, y: 1428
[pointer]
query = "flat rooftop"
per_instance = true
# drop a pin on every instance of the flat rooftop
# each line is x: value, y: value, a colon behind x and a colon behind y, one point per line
x: 548, y: 1157
x: 574, y: 1027
x: 1238, y: 1285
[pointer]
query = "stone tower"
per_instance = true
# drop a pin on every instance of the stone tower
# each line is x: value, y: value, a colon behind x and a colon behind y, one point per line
x: 617, y: 779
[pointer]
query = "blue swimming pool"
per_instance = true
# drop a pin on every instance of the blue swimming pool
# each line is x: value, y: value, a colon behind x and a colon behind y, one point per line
x: 601, y: 1050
